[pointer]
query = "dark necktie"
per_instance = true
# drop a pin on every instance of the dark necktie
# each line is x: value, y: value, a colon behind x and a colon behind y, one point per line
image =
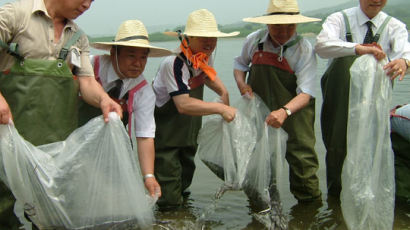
x: 115, y: 91
x: 369, y: 34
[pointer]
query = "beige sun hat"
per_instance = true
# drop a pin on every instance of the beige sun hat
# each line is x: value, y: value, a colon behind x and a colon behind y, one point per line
x: 133, y: 33
x: 282, y: 12
x: 202, y: 23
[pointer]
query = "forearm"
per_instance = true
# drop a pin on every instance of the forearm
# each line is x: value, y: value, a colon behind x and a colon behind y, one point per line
x: 146, y: 154
x: 298, y: 102
x: 219, y: 88
x: 240, y: 78
x: 91, y: 91
x: 194, y: 107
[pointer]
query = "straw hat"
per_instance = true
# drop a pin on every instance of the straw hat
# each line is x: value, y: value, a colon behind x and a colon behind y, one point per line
x: 202, y: 23
x: 133, y: 33
x: 282, y: 12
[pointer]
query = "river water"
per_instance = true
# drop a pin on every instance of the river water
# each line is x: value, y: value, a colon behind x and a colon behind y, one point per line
x: 232, y: 211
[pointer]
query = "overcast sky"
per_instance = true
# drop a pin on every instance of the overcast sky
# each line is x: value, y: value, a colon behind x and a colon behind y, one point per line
x: 105, y: 16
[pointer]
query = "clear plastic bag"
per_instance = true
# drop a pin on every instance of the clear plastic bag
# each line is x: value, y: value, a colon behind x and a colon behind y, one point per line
x: 89, y: 181
x: 247, y: 154
x: 367, y: 196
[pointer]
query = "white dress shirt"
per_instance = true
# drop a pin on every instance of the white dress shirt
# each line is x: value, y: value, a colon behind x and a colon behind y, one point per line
x: 331, y: 42
x: 300, y: 57
x: 144, y: 98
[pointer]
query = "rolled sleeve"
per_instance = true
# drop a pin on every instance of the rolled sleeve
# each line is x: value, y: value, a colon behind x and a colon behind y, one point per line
x: 243, y: 61
x: 86, y: 67
x: 305, y: 69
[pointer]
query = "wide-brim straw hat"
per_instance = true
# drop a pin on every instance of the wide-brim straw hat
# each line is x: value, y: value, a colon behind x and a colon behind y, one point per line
x: 132, y: 33
x: 282, y: 12
x: 202, y: 23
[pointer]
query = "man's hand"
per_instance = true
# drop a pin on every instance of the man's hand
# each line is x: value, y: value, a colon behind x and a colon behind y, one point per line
x: 108, y: 105
x: 5, y: 113
x: 276, y: 118
x: 153, y: 187
x: 228, y: 113
x: 373, y: 49
x: 396, y: 68
x: 246, y: 90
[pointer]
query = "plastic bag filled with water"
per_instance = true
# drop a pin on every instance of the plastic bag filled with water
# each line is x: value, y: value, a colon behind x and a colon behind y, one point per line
x: 246, y: 153
x: 89, y: 181
x: 367, y: 196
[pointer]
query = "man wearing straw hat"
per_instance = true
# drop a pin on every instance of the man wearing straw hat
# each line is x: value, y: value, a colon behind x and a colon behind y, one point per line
x: 282, y: 72
x: 49, y: 64
x: 121, y: 75
x: 346, y: 35
x: 179, y: 86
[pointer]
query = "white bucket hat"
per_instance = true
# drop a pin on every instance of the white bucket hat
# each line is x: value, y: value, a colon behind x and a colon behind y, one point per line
x: 133, y: 33
x: 202, y: 23
x: 282, y: 12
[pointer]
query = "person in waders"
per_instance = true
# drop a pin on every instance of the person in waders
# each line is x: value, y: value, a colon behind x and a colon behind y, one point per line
x: 282, y: 71
x: 345, y: 35
x: 179, y: 86
x: 400, y: 138
x: 121, y: 75
x: 45, y: 63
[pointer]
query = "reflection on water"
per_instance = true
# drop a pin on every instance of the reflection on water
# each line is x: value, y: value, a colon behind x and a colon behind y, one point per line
x: 232, y: 211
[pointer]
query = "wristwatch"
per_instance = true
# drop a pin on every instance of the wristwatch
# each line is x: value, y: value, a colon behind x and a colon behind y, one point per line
x: 288, y: 112
x: 149, y: 175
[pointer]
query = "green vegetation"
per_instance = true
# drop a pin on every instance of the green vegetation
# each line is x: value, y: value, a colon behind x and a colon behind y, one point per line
x: 399, y: 11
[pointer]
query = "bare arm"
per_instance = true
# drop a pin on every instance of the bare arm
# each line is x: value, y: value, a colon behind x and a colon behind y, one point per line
x: 195, y: 107
x: 218, y: 87
x: 146, y: 156
x: 94, y: 94
x: 240, y: 77
x: 5, y: 113
x: 277, y: 117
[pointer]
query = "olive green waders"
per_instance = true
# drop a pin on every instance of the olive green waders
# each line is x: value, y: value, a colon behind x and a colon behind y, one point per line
x: 42, y: 96
x: 175, y: 148
x: 275, y: 83
x: 401, y: 148
x: 335, y: 84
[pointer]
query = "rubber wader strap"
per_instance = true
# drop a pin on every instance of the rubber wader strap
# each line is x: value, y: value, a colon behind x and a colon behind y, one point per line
x: 261, y: 33
x: 349, y: 36
x: 64, y: 51
x: 11, y: 49
x: 380, y: 30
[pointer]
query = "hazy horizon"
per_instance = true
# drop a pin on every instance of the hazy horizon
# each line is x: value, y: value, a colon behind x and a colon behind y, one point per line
x: 156, y: 14
x: 105, y: 16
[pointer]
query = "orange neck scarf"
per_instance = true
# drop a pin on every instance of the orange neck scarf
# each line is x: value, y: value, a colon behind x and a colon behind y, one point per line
x: 199, y: 60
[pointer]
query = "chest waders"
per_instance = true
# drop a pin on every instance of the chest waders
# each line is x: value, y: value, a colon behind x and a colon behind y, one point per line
x: 335, y: 84
x: 401, y: 148
x: 176, y: 144
x: 42, y: 96
x: 274, y: 81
